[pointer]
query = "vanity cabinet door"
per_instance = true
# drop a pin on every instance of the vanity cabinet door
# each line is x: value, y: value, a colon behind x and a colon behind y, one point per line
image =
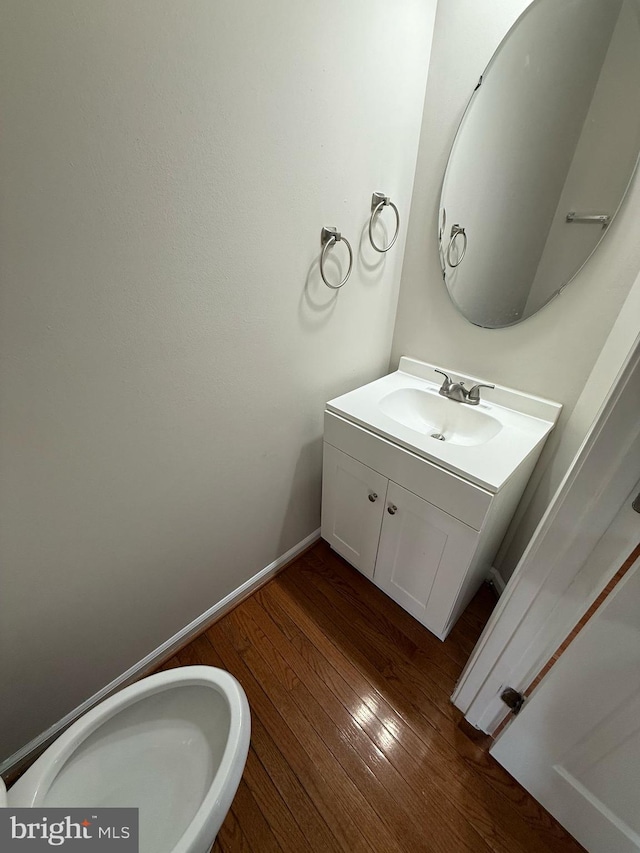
x: 353, y: 500
x: 418, y: 543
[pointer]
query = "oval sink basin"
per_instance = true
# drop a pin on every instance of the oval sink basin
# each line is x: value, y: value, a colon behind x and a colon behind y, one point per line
x: 446, y: 420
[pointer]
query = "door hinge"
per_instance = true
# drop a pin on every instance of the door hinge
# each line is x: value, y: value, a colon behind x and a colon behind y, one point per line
x: 479, y: 84
x: 636, y: 504
x: 513, y: 699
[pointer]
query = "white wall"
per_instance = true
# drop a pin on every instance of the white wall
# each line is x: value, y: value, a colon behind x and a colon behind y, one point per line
x: 622, y: 340
x: 167, y: 345
x: 551, y: 353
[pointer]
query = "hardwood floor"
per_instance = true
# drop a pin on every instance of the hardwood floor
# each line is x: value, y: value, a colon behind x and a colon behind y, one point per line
x: 355, y: 745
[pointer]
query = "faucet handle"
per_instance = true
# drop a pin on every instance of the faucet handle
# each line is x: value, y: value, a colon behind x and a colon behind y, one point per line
x: 447, y: 381
x: 474, y: 393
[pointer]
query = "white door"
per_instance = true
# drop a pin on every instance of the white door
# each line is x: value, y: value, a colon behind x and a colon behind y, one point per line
x: 566, y: 562
x: 352, y: 506
x: 419, y: 542
x: 576, y: 743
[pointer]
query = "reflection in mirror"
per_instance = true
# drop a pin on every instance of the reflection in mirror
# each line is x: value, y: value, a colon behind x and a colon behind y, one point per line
x: 547, y: 146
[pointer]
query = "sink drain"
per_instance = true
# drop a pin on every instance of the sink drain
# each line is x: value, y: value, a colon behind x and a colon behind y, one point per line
x: 437, y: 435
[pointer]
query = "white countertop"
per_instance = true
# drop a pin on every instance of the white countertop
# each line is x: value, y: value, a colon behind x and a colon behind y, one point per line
x: 520, y: 421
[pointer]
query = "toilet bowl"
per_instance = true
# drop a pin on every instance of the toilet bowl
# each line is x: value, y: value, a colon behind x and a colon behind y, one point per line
x: 173, y: 745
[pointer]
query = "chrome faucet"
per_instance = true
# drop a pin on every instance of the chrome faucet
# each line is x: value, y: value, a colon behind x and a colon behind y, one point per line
x: 456, y: 390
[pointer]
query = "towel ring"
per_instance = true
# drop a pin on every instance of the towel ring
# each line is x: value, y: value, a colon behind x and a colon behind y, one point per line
x: 378, y: 201
x: 456, y: 231
x: 328, y: 236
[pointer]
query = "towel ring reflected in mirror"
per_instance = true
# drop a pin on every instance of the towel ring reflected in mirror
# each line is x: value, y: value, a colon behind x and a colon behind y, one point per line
x: 456, y: 231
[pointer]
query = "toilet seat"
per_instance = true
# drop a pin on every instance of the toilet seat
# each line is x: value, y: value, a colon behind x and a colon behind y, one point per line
x: 173, y: 745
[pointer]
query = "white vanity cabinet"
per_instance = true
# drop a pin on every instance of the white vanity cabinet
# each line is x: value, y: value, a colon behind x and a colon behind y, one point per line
x: 418, y: 490
x: 413, y: 550
x: 397, y: 539
x: 421, y: 555
x: 353, y: 500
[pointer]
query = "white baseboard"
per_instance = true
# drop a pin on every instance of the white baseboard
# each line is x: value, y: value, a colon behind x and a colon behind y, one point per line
x: 497, y: 580
x: 162, y: 652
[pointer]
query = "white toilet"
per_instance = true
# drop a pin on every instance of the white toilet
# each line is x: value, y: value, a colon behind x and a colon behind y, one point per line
x: 173, y: 745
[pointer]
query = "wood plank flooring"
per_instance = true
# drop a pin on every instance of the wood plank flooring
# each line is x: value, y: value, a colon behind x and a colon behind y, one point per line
x: 355, y: 745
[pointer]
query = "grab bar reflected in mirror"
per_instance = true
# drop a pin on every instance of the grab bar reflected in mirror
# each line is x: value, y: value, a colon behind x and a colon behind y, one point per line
x: 590, y: 218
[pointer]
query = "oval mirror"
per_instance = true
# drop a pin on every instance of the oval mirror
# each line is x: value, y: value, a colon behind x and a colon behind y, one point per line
x: 542, y: 158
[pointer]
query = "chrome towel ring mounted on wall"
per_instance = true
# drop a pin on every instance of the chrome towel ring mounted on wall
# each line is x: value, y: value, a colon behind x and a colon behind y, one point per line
x: 456, y: 231
x: 328, y: 236
x: 378, y: 201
